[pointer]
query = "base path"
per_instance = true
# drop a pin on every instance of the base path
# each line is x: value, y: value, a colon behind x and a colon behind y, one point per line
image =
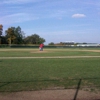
x: 50, y: 57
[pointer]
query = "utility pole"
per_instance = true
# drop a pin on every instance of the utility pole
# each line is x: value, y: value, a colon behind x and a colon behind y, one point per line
x: 1, y: 29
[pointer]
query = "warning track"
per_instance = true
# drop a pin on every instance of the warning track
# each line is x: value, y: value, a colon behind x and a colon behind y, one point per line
x: 50, y: 57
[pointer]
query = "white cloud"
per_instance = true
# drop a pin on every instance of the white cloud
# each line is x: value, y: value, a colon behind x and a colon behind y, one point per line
x: 18, y: 1
x: 78, y: 16
x: 16, y: 18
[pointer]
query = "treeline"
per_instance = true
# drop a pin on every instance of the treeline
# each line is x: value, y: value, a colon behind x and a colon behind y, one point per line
x: 14, y: 35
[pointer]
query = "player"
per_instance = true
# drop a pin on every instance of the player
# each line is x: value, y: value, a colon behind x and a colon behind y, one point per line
x: 41, y: 47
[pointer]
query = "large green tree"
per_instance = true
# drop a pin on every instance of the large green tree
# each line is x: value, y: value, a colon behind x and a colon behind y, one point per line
x: 1, y: 29
x: 19, y: 35
x: 34, y: 39
x: 14, y: 35
x: 10, y: 36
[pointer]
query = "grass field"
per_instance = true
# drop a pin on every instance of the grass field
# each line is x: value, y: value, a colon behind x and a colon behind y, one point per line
x: 48, y: 73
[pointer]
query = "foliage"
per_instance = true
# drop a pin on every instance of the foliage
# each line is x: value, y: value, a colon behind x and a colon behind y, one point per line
x: 3, y: 40
x: 10, y: 35
x: 61, y: 43
x: 19, y: 36
x: 14, y: 35
x: 34, y: 39
x: 51, y: 43
x: 1, y: 28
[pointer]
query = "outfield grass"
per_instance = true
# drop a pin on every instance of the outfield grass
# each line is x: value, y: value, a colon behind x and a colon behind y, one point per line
x: 36, y: 74
x: 47, y: 52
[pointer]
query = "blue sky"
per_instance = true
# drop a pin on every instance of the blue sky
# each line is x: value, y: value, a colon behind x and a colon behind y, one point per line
x: 54, y: 20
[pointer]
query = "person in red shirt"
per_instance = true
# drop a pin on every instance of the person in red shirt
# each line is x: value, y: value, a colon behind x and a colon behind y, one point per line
x: 41, y: 47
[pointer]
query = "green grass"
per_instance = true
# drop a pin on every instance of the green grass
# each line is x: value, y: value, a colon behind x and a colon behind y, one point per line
x: 33, y: 69
x: 48, y: 52
x: 36, y: 74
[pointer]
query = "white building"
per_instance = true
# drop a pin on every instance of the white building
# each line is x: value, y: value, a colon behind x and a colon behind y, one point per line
x: 87, y: 44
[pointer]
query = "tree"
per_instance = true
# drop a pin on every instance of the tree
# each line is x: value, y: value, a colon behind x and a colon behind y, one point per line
x: 3, y: 40
x: 1, y: 29
x: 51, y: 43
x: 14, y: 35
x: 10, y: 35
x: 34, y: 39
x: 41, y: 40
x: 19, y: 35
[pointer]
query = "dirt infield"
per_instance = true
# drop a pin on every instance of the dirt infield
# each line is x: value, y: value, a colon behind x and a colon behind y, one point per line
x: 39, y: 51
x: 51, y: 95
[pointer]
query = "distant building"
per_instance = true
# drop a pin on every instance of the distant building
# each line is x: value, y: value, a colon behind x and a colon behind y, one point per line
x: 87, y: 44
x: 69, y: 42
x: 72, y: 43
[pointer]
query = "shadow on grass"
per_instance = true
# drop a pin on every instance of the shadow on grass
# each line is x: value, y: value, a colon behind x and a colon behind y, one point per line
x: 4, y: 84
x: 77, y: 90
x: 78, y: 84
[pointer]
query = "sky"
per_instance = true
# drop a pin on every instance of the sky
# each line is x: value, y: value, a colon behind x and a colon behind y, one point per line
x: 54, y: 20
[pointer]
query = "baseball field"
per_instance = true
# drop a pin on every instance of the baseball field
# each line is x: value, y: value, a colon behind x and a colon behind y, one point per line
x: 31, y: 69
